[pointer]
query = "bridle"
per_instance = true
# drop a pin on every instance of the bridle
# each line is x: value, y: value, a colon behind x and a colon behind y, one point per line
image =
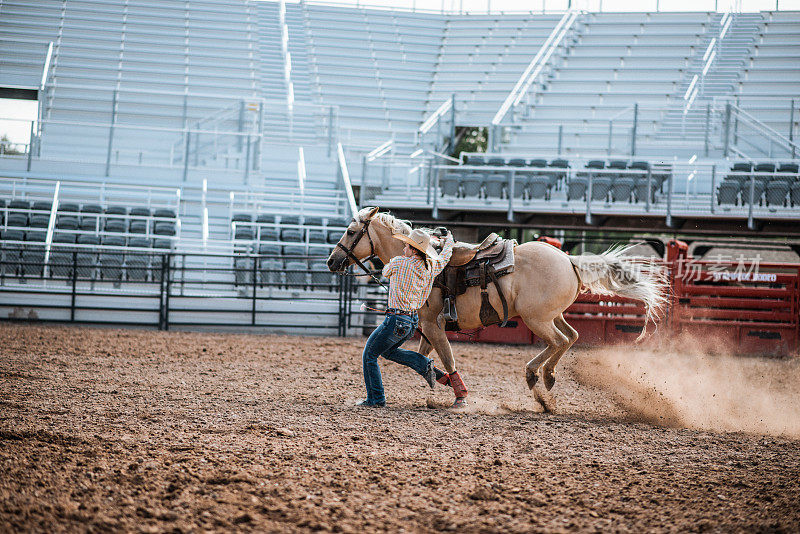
x: 349, y: 251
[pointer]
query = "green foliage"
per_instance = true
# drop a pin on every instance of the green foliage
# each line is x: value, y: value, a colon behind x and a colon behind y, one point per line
x: 7, y: 147
x: 471, y: 139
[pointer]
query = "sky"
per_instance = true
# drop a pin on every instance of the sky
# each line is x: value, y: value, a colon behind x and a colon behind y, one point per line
x: 18, y: 131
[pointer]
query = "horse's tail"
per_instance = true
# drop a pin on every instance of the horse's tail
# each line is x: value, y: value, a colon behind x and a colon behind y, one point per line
x: 611, y: 273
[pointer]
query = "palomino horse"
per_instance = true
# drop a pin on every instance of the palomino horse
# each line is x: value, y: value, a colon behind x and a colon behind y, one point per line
x: 544, y: 283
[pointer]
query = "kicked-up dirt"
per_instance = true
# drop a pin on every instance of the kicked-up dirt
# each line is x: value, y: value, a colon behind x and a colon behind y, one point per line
x: 135, y: 430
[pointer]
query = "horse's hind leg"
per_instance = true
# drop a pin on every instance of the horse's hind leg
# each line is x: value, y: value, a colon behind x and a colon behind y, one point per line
x: 555, y: 339
x: 424, y: 347
x: 550, y: 364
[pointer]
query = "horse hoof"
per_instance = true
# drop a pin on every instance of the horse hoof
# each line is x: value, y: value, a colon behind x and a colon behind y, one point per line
x: 531, y: 378
x: 460, y: 402
x: 549, y: 381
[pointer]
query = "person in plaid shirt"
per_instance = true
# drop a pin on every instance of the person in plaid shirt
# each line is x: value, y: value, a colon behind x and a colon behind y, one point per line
x: 410, y: 281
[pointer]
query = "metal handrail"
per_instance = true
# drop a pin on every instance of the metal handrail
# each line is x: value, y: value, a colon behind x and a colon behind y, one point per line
x: 766, y: 130
x: 345, y: 175
x: 434, y: 117
x: 536, y: 65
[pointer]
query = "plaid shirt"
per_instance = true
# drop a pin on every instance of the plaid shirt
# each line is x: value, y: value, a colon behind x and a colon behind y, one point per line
x: 410, y: 281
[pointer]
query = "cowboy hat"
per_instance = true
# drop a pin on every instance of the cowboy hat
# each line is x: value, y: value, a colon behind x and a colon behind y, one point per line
x: 420, y: 241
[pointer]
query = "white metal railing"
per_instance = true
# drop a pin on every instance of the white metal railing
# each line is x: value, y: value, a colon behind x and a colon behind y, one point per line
x: 345, y: 177
x: 676, y: 188
x: 697, y: 84
x: 537, y: 64
x: 287, y: 57
x: 434, y: 117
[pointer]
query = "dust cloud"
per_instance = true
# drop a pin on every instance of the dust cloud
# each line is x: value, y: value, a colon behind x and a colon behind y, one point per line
x: 685, y: 386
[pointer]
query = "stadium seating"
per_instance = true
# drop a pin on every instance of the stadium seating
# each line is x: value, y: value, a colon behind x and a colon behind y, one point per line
x: 774, y: 184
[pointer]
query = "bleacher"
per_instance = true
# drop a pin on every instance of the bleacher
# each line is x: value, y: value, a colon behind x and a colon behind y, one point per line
x: 489, y: 179
x: 182, y: 92
x: 291, y: 249
x: 106, y: 234
x: 618, y: 59
x: 767, y: 183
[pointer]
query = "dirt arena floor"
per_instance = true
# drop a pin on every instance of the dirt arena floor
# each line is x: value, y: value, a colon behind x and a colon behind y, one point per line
x: 134, y: 430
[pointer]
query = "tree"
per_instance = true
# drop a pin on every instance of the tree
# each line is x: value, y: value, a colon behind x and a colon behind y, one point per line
x: 7, y: 147
x: 470, y: 139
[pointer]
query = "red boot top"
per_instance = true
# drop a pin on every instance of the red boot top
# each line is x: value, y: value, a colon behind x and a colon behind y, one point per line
x: 458, y: 385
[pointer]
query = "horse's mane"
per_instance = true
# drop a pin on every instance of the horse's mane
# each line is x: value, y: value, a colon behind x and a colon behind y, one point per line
x: 397, y: 226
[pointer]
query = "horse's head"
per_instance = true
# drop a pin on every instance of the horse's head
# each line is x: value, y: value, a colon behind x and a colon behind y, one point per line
x: 356, y: 242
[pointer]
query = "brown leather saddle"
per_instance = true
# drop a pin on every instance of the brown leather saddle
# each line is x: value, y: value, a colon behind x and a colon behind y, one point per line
x: 477, y: 265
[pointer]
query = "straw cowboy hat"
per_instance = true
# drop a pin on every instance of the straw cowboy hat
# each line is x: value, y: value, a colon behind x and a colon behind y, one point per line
x: 420, y: 241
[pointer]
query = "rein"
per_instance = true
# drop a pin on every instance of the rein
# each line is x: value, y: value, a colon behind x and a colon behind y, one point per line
x: 349, y: 251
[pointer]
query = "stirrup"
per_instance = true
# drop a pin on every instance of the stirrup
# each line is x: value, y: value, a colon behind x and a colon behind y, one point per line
x: 450, y: 313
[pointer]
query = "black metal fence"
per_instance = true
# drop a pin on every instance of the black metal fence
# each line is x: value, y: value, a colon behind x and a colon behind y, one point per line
x: 168, y: 289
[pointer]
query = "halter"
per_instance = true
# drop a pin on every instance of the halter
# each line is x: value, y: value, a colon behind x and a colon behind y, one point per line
x: 349, y: 251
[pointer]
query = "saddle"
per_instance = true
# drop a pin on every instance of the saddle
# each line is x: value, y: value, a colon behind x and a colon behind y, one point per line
x: 476, y: 265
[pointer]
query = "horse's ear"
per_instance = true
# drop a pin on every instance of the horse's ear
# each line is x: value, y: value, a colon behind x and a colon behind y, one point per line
x: 373, y: 212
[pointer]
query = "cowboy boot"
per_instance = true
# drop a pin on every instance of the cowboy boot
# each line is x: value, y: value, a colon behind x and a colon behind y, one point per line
x: 458, y: 388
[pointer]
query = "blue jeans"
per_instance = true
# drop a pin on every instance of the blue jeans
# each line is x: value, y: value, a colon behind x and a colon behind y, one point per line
x: 385, y: 341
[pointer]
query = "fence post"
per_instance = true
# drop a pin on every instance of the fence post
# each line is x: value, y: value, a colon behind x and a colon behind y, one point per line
x: 511, y: 179
x: 635, y: 125
x: 649, y: 188
x: 452, y: 144
x: 428, y: 194
x: 669, y: 199
x: 167, y: 292
x: 186, y: 153
x: 30, y: 147
x: 435, y: 209
x: 111, y: 131
x: 752, y: 194
x: 791, y: 128
x: 161, y: 296
x: 713, y: 186
x: 727, y: 137
x: 247, y: 162
x: 74, y: 285
x: 708, y: 125
x: 588, y: 217
x: 560, y: 137
x: 255, y: 286
x: 610, y: 135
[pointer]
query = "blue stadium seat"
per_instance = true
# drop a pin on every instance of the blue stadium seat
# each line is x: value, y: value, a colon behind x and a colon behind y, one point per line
x: 472, y: 185
x: 268, y: 234
x: 728, y: 193
x: 622, y: 188
x: 449, y: 184
x: 291, y: 234
x: 495, y: 185
x: 576, y: 188
x: 321, y: 277
x: 296, y: 273
x: 539, y: 187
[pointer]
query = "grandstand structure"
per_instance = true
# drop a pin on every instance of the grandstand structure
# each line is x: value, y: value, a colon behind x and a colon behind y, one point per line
x: 238, y: 137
